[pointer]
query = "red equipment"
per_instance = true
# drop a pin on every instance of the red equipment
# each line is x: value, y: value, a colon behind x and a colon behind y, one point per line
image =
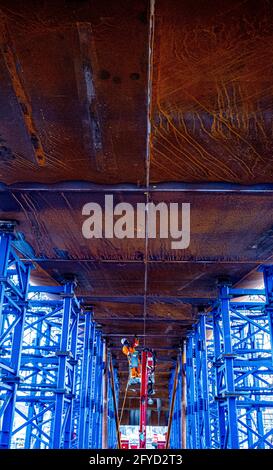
x: 161, y: 444
x: 125, y: 444
x: 143, y: 400
x: 147, y: 370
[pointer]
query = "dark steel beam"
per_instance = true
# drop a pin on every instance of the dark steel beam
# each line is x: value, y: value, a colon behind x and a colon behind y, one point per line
x: 79, y: 186
x: 138, y: 299
x: 182, y: 322
x: 149, y: 261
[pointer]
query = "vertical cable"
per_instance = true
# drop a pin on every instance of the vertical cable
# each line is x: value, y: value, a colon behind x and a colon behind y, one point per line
x: 147, y: 159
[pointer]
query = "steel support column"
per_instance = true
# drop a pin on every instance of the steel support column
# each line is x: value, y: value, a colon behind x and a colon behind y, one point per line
x: 228, y: 357
x: 201, y: 384
x: 90, y: 374
x: 63, y: 417
x: 184, y: 399
x: 96, y: 403
x: 191, y: 395
x: 89, y: 329
x: 113, y: 417
x: 268, y: 284
x: 105, y: 379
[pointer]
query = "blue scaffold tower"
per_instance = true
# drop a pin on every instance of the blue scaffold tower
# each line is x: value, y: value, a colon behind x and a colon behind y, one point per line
x: 52, y: 365
x: 229, y: 371
x: 59, y: 381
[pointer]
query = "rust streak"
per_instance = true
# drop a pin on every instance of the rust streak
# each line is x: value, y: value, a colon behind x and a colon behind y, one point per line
x: 13, y: 68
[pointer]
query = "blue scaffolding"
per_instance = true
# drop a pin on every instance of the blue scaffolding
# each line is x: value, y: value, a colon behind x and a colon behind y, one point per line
x: 229, y: 371
x: 53, y: 370
x: 176, y: 422
x: 14, y: 283
x: 51, y: 367
x: 112, y: 431
x: 198, y: 421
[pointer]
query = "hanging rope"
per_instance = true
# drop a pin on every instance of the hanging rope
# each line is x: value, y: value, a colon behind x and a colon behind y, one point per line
x: 111, y: 369
x: 124, y: 400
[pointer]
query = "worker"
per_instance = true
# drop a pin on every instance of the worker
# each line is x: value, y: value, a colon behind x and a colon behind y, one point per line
x: 133, y: 358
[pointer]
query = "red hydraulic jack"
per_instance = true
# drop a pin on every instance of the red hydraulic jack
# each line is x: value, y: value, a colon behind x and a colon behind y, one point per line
x: 147, y: 366
x: 143, y: 400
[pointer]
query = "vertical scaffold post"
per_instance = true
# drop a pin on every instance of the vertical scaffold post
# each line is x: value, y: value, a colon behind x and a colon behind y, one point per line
x: 31, y: 409
x: 63, y: 355
x: 96, y: 401
x: 114, y: 438
x: 202, y: 392
x: 184, y: 398
x: 72, y: 363
x: 228, y: 356
x: 100, y: 393
x: 191, y: 402
x: 87, y: 437
x: 85, y: 376
x: 218, y: 372
x: 198, y: 413
x: 14, y: 282
x: 268, y: 284
x: 105, y: 397
x: 5, y: 242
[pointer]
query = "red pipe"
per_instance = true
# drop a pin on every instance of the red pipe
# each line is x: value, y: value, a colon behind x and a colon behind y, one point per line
x: 143, y: 400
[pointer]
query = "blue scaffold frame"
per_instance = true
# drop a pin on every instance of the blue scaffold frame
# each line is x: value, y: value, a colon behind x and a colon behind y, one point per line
x: 51, y: 365
x: 14, y: 282
x: 198, y: 430
x: 229, y: 371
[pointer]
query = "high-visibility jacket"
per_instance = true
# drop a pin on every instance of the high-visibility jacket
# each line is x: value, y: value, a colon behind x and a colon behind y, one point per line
x: 133, y: 357
x: 130, y: 349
